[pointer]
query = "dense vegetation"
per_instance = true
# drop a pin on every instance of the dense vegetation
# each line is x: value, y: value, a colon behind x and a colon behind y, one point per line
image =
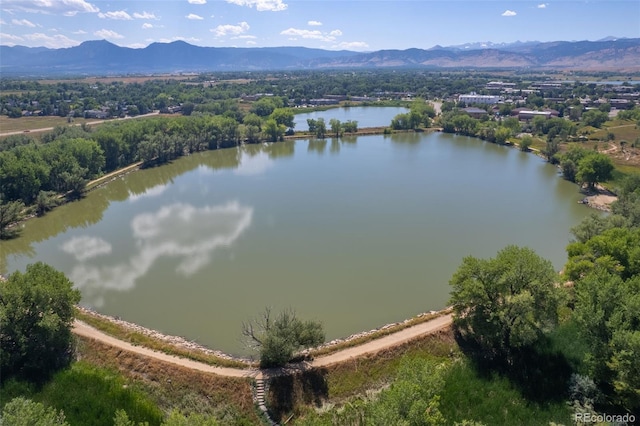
x: 35, y: 322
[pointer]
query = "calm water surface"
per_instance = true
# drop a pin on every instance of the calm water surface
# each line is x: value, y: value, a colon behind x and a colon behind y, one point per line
x: 354, y: 232
x: 365, y: 116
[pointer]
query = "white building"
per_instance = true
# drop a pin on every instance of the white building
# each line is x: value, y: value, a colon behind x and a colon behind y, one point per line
x: 474, y: 98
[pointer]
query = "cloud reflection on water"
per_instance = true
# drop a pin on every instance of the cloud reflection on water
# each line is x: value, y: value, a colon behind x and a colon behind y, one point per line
x: 85, y: 247
x: 181, y: 231
x: 251, y: 165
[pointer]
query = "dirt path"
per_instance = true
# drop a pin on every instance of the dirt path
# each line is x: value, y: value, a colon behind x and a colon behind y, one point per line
x: 388, y: 341
x: 373, y: 346
x: 84, y: 330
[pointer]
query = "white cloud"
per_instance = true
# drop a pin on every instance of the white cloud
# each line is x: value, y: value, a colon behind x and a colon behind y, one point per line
x: 146, y: 26
x: 107, y: 34
x: 120, y: 15
x: 251, y: 42
x: 194, y: 17
x: 2, y: 22
x: 246, y: 37
x: 198, y: 1
x: 311, y: 34
x: 5, y: 36
x: 543, y: 5
x: 352, y: 45
x: 144, y: 15
x: 223, y: 30
x: 54, y: 42
x: 262, y: 5
x: 83, y: 248
x: 65, y: 7
x: 253, y: 165
x: 314, y: 23
x: 509, y: 13
x: 79, y: 32
x: 23, y: 23
x: 137, y: 45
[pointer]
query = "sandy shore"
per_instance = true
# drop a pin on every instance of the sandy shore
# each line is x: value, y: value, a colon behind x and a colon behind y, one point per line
x: 600, y: 201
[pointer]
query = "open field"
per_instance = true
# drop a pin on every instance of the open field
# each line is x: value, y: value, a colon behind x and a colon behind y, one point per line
x: 123, y: 79
x: 32, y: 123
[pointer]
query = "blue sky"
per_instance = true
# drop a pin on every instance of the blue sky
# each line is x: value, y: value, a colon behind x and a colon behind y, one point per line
x: 360, y: 25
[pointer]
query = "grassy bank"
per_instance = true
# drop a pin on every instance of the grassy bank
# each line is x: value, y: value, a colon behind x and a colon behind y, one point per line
x: 137, y: 338
x: 376, y: 334
x: 318, y: 397
x: 170, y: 387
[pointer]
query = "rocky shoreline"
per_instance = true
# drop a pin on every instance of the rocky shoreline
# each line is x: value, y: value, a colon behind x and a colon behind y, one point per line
x: 177, y: 341
x: 181, y: 342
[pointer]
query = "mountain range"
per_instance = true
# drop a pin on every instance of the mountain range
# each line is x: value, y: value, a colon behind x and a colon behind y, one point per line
x: 105, y: 58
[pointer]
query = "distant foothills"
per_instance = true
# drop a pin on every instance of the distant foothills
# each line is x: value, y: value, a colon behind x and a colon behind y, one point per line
x: 105, y: 58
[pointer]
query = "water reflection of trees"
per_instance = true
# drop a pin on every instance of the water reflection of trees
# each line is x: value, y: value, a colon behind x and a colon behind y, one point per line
x: 89, y: 210
x: 317, y: 145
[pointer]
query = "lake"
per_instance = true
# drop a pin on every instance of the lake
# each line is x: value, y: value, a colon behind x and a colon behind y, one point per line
x: 365, y: 116
x: 356, y: 232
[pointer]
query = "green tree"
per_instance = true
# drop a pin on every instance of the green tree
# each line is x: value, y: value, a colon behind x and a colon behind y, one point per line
x: 35, y: 322
x: 502, y: 135
x: 284, y: 116
x: 608, y: 311
x: 350, y: 126
x: 266, y: 105
x: 320, y: 128
x: 336, y: 127
x: 10, y: 212
x: 45, y: 201
x: 187, y: 108
x: 506, y: 303
x: 569, y: 169
x: 594, y: 118
x: 312, y: 124
x: 594, y: 168
x: 616, y: 249
x: 525, y: 143
x: 402, y: 121
x: 279, y: 338
x: 628, y: 204
x: 24, y: 412
x: 252, y: 120
x: 421, y: 113
x: 551, y: 150
x: 273, y: 130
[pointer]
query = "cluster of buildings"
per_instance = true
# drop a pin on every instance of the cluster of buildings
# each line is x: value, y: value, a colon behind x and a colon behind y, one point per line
x: 507, y: 93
